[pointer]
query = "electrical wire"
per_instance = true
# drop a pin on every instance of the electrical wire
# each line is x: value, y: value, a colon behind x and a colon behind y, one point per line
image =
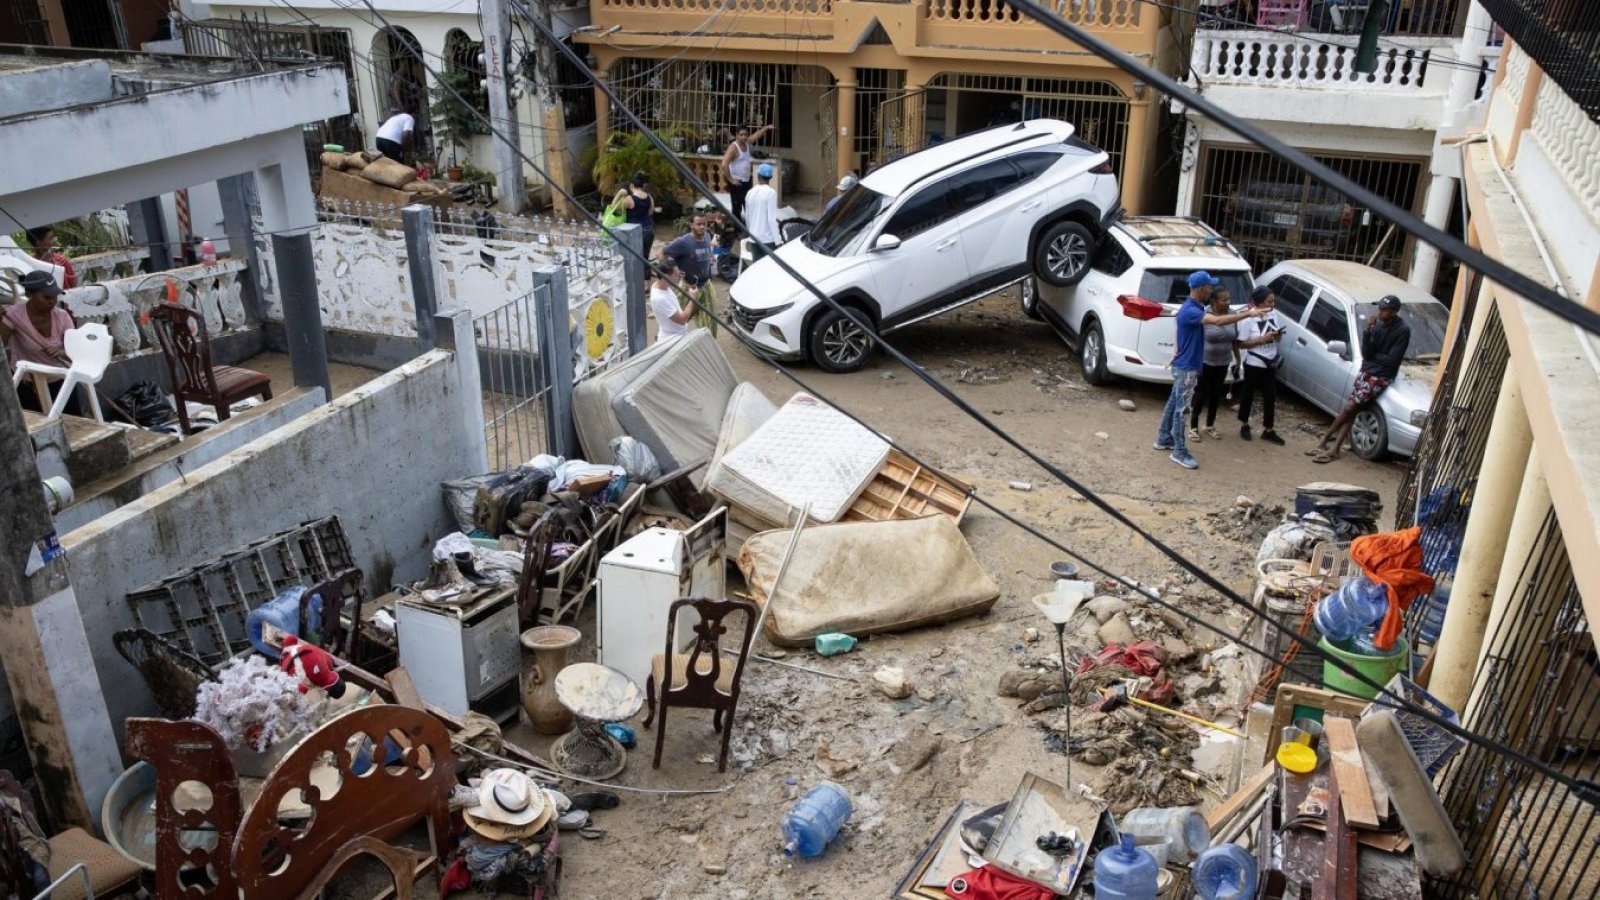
x: 1584, y: 790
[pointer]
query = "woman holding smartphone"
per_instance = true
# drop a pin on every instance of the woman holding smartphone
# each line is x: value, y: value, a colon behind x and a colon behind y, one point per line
x: 1258, y: 342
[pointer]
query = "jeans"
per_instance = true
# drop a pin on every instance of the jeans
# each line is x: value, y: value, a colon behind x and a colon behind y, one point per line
x: 1171, y: 433
x: 1264, y: 381
x: 737, y: 191
x: 1213, y: 384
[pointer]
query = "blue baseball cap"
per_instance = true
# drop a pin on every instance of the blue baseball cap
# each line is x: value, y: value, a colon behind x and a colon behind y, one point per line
x: 765, y: 171
x: 1202, y: 279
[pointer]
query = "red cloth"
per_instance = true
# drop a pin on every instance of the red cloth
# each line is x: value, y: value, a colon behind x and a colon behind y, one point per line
x: 989, y: 883
x: 1394, y: 560
x: 1146, y: 658
x: 455, y: 879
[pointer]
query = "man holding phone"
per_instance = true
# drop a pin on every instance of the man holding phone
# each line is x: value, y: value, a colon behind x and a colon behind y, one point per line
x: 1258, y: 342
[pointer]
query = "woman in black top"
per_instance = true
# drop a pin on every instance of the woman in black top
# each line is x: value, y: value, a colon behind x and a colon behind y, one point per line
x: 639, y: 208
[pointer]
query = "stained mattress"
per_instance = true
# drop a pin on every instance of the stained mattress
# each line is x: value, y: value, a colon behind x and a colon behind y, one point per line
x: 675, y: 407
x: 807, y: 452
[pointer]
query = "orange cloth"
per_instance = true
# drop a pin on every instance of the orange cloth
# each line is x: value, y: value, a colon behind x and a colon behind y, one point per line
x: 1394, y: 560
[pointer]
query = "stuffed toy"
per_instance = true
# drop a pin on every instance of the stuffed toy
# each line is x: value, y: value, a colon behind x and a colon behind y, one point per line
x: 312, y: 665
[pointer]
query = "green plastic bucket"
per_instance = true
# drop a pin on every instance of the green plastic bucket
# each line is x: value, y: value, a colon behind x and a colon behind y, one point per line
x: 1377, y: 668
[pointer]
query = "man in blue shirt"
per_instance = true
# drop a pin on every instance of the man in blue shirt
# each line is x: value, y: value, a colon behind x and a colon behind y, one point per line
x: 1186, y: 362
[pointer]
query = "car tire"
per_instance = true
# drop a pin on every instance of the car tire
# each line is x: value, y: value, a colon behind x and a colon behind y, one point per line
x: 1369, y: 433
x: 1061, y: 257
x: 1029, y: 289
x: 1092, y: 354
x: 837, y: 344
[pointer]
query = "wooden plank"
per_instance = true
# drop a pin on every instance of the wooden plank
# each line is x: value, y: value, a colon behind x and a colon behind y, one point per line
x: 1244, y: 796
x: 1291, y: 695
x: 405, y: 692
x: 1338, y: 881
x: 1349, y: 772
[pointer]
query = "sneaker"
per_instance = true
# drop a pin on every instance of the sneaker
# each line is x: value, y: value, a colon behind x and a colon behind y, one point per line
x: 1271, y: 437
x: 1158, y: 445
x: 1211, y: 432
x: 1185, y: 460
x: 1244, y: 433
x: 1194, y: 434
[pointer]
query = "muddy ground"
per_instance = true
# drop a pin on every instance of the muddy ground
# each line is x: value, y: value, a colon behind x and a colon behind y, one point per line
x: 907, y: 763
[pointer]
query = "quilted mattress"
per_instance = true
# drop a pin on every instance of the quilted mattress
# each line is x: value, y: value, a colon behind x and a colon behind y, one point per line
x: 596, y: 423
x: 675, y: 406
x: 807, y: 452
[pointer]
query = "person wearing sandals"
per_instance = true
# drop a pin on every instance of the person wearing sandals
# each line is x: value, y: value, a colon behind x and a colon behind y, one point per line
x: 1221, y: 353
x: 1192, y: 318
x: 1383, y: 346
x: 1259, y: 339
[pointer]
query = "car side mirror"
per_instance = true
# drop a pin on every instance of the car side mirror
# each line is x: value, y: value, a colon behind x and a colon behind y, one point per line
x: 886, y: 242
x: 1339, y: 349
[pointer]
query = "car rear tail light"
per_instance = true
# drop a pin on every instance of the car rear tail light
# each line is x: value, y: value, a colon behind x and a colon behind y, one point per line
x: 1139, y: 308
x: 1102, y: 169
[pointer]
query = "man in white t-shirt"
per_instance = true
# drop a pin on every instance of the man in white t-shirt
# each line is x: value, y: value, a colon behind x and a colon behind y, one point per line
x: 672, y: 317
x: 395, y: 133
x: 761, y: 211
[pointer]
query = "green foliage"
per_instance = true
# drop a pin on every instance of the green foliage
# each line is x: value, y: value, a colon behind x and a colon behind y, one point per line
x: 630, y: 152
x: 452, y: 119
x: 93, y: 233
x: 472, y: 174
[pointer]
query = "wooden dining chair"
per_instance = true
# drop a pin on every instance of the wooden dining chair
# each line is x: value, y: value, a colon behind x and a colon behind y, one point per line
x: 187, y: 350
x: 702, y: 678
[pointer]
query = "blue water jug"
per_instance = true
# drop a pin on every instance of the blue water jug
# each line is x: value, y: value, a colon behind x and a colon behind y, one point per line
x: 1125, y: 873
x: 1357, y: 604
x: 283, y: 611
x: 815, y: 820
x: 1225, y: 872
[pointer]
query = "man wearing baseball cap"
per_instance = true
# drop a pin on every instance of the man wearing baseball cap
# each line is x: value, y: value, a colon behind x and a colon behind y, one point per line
x: 1186, y: 362
x: 761, y: 211
x: 845, y: 184
x: 1383, y: 346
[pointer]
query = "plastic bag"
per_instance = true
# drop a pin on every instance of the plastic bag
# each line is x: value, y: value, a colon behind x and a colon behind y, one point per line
x: 460, y: 495
x: 636, y: 459
x: 1296, y: 538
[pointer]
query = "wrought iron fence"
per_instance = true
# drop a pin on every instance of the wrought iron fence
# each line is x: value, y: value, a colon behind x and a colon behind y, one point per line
x: 1419, y: 18
x: 1272, y: 211
x: 1538, y: 689
x: 516, y: 386
x: 1563, y: 37
x: 1438, y: 489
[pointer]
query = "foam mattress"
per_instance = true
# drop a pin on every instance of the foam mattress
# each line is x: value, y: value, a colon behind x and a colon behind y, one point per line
x: 675, y: 407
x: 808, y: 452
x: 592, y: 415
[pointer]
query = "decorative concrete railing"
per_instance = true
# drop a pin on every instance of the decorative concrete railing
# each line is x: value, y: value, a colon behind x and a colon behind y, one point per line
x: 729, y: 7
x: 122, y: 304
x: 93, y: 268
x: 1277, y: 59
x: 1571, y: 140
x: 1100, y: 13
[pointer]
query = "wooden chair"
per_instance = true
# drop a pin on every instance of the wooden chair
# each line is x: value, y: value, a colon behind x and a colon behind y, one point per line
x: 187, y: 350
x: 335, y: 637
x: 701, y: 678
x: 104, y: 872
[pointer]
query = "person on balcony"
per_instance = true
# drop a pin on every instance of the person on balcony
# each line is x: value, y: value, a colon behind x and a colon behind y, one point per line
x: 35, y: 331
x: 43, y: 241
x: 761, y: 212
x: 736, y: 167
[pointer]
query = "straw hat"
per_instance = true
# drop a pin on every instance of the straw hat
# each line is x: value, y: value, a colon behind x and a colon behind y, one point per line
x: 510, y: 806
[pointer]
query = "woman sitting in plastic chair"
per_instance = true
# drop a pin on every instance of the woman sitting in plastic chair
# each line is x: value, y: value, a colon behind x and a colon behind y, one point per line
x: 43, y: 341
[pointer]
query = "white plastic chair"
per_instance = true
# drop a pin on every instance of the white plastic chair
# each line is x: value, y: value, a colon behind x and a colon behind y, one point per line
x: 89, y: 347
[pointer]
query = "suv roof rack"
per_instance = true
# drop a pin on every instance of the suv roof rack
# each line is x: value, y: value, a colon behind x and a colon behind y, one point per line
x: 1161, y: 235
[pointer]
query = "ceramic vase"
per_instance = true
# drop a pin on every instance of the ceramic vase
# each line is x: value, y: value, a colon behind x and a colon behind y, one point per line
x: 549, y: 644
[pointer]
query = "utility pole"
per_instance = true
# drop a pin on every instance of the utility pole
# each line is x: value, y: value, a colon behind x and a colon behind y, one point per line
x: 502, y: 112
x: 46, y: 653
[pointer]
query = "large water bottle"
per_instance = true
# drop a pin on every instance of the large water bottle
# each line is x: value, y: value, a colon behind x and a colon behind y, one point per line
x: 1225, y: 872
x: 1125, y: 873
x: 283, y: 613
x: 1181, y: 831
x: 815, y: 820
x: 1357, y: 604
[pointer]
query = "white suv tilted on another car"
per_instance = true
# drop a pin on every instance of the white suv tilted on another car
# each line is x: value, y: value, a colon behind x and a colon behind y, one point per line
x: 1122, y: 315
x: 929, y: 232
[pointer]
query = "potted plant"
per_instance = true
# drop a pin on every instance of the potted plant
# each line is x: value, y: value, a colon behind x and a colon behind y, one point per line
x: 259, y: 712
x: 452, y: 119
x: 627, y: 152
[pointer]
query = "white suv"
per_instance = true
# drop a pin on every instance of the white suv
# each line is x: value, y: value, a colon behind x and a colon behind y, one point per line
x: 929, y: 232
x: 1122, y: 315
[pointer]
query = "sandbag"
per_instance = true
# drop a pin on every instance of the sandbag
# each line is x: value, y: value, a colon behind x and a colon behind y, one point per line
x: 332, y: 160
x: 354, y: 162
x: 389, y: 173
x: 864, y: 578
x: 420, y: 187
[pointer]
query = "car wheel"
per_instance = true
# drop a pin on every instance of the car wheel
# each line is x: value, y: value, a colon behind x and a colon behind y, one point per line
x: 838, y: 344
x: 1369, y: 433
x: 1092, y: 354
x: 1062, y: 255
x: 1029, y: 289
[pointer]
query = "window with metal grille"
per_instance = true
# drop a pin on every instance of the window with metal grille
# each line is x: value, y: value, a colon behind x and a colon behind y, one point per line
x: 960, y: 103
x: 707, y: 98
x: 1273, y: 211
x: 461, y: 62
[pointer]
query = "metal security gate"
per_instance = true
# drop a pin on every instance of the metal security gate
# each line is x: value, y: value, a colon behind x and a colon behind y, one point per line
x: 873, y: 88
x: 517, y: 389
x: 828, y: 125
x: 1537, y: 689
x: 1272, y: 211
x: 1098, y: 110
x: 709, y: 99
x: 900, y: 126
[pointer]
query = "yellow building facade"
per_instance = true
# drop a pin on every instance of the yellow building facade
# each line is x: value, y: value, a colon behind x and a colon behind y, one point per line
x: 849, y: 84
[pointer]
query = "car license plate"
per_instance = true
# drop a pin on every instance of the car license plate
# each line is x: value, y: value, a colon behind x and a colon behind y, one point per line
x: 1284, y: 218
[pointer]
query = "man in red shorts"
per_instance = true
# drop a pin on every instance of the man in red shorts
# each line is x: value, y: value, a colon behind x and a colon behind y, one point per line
x: 1383, y: 346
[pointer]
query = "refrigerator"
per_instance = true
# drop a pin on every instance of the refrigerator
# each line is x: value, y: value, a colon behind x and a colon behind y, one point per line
x: 643, y: 576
